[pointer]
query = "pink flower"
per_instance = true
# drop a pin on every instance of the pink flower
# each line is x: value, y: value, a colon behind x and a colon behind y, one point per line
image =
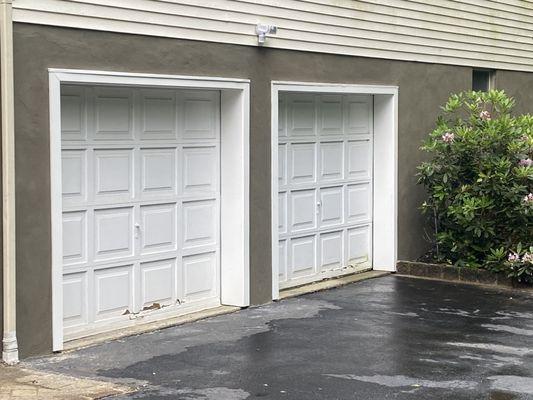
x: 527, y: 258
x: 485, y: 115
x: 448, y: 137
x: 528, y: 199
x: 525, y: 162
x: 513, y: 257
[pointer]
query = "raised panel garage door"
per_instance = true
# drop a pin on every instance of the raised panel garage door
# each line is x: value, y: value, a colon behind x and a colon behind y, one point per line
x: 141, y: 199
x: 325, y: 186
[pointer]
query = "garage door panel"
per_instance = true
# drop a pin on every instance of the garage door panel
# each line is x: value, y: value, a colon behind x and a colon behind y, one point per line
x: 113, y: 114
x: 141, y: 203
x: 331, y: 203
x: 74, y: 178
x: 359, y: 203
x: 282, y: 118
x: 159, y: 228
x: 330, y: 120
x: 73, y: 113
x: 331, y: 161
x: 74, y: 237
x: 359, y: 245
x: 113, y: 229
x: 158, y: 115
x: 303, y: 256
x: 75, y: 297
x: 200, y: 115
x: 200, y: 169
x: 282, y: 253
x: 303, y: 163
x: 113, y: 172
x: 358, y: 115
x: 158, y: 283
x: 199, y: 224
x: 113, y: 292
x: 195, y: 270
x: 301, y: 116
x: 303, y: 210
x: 282, y: 212
x: 359, y: 160
x: 158, y: 171
x: 325, y: 159
x: 331, y: 250
x: 282, y: 165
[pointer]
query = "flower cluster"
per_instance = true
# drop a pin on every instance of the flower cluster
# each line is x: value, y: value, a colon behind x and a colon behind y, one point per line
x: 513, y: 257
x: 525, y: 162
x: 528, y: 199
x: 526, y: 258
x: 448, y: 137
x: 485, y: 115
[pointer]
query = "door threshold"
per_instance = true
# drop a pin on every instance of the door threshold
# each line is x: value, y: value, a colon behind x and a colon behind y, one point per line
x: 138, y: 329
x: 330, y: 283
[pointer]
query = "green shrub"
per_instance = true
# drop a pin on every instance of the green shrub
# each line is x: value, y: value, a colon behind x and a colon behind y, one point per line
x: 479, y: 180
x: 516, y: 264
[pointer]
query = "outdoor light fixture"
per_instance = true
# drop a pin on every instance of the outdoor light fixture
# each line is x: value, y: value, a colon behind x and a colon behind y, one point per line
x: 263, y: 30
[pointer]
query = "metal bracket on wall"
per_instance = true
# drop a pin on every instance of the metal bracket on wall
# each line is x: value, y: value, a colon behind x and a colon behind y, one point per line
x: 263, y: 30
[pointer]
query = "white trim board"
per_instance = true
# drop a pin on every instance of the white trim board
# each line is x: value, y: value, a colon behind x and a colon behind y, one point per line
x: 235, y: 132
x: 385, y: 166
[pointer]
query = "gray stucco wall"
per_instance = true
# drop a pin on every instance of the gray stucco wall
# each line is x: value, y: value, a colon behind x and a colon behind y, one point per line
x: 518, y: 85
x: 423, y: 87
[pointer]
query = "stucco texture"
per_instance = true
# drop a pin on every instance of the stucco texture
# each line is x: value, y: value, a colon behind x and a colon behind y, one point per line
x: 518, y: 85
x: 422, y: 88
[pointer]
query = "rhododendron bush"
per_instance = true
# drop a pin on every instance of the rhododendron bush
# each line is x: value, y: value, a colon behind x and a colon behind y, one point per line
x: 479, y: 180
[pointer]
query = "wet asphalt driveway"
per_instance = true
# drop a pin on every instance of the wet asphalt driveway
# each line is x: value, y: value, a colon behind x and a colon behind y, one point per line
x: 386, y: 338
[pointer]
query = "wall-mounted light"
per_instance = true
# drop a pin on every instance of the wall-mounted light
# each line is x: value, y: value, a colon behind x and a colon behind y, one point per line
x: 264, y: 30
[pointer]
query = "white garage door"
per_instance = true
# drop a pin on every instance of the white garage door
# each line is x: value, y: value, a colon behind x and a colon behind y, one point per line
x: 140, y: 182
x: 325, y: 186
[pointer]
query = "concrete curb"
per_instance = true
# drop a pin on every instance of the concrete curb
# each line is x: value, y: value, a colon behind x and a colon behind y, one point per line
x: 457, y: 274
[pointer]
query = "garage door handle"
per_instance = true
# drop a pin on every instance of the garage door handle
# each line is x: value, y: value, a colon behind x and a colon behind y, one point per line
x: 318, y: 205
x: 137, y: 230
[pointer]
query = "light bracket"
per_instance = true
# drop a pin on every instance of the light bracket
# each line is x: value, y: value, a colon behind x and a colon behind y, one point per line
x: 263, y: 30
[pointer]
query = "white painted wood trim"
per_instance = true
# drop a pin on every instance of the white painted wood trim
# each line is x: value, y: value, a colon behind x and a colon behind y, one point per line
x: 141, y: 79
x: 235, y: 131
x: 56, y: 211
x: 274, y: 196
x: 10, y: 347
x: 235, y: 194
x: 385, y: 196
x: 385, y: 234
x: 316, y: 87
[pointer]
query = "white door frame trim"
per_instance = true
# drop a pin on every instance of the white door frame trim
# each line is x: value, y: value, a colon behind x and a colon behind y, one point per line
x: 385, y: 198
x: 235, y: 179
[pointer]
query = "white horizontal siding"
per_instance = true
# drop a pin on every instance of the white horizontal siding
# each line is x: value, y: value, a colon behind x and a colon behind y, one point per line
x: 481, y: 33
